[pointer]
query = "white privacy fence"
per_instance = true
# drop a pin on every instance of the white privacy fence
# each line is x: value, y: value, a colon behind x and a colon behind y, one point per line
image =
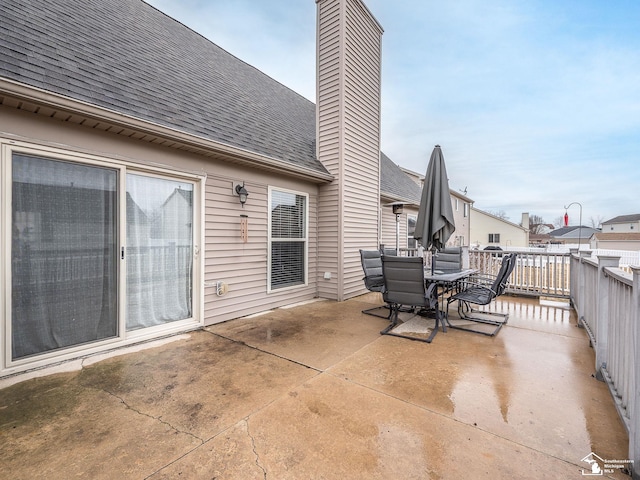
x: 607, y: 300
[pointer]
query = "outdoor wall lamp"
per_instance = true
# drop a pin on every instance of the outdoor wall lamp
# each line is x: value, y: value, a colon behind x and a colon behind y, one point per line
x: 242, y: 193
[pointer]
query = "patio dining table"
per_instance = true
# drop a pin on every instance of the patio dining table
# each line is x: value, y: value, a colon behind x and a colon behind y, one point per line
x: 445, y: 281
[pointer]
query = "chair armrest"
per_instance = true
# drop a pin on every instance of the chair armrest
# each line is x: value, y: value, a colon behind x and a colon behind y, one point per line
x: 482, y: 279
x: 468, y: 284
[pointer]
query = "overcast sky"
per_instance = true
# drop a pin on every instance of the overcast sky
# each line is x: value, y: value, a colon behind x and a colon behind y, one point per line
x: 536, y: 104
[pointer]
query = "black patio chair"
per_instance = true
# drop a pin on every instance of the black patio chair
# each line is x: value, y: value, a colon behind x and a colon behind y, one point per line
x: 388, y: 251
x: 448, y: 259
x: 373, y: 280
x: 482, y: 290
x: 404, y: 286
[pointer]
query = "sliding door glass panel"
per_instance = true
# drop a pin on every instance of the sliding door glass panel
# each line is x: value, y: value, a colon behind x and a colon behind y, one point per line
x: 63, y: 254
x: 159, y: 251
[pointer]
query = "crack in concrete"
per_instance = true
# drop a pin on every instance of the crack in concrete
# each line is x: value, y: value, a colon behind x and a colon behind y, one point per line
x: 253, y: 347
x: 255, y: 452
x: 164, y: 422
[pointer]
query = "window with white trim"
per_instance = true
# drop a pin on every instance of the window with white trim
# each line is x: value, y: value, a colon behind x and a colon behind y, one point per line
x: 494, y: 238
x: 288, y: 242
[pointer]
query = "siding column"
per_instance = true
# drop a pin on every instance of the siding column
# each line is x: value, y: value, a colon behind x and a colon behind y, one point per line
x: 349, y: 43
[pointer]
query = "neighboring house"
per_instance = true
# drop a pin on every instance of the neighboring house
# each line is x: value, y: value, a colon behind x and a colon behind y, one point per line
x: 619, y: 233
x: 462, y: 214
x: 622, y: 224
x: 572, y: 235
x: 174, y: 221
x: 489, y: 230
x: 615, y: 241
x: 112, y: 101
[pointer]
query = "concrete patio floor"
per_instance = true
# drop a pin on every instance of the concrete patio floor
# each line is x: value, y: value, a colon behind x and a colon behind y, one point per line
x: 314, y: 392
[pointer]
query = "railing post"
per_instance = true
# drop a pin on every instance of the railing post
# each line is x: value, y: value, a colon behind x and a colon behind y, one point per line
x: 602, y: 312
x: 581, y: 286
x: 465, y: 256
x: 634, y: 411
x: 573, y: 280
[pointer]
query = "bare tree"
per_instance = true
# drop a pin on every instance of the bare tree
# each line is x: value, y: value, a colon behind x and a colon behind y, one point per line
x: 596, y: 221
x: 501, y: 214
x: 536, y: 224
x: 558, y: 222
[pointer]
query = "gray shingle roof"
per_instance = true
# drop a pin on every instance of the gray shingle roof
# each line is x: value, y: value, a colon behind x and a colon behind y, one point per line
x: 126, y: 56
x: 396, y: 184
x: 574, y: 231
x: 624, y: 219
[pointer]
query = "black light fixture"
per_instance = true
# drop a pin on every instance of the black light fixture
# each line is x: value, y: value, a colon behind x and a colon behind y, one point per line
x: 242, y: 193
x: 398, y: 208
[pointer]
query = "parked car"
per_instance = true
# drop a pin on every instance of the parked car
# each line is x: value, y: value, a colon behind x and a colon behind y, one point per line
x: 494, y: 248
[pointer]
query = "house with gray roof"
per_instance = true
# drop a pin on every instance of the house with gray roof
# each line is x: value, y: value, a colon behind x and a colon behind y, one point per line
x: 573, y: 234
x: 106, y: 103
x: 622, y: 224
x: 619, y: 233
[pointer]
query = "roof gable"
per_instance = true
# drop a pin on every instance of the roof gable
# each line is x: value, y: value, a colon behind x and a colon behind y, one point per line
x: 574, y: 231
x: 128, y: 57
x: 498, y: 219
x: 623, y: 219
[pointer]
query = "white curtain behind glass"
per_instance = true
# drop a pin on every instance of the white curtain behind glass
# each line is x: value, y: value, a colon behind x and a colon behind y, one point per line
x: 159, y: 250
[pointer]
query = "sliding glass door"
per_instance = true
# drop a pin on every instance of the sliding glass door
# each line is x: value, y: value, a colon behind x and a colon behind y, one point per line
x: 159, y: 250
x: 64, y: 254
x: 100, y: 253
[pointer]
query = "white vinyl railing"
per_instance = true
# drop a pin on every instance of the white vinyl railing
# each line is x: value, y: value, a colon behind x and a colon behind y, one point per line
x: 607, y: 300
x: 537, y: 273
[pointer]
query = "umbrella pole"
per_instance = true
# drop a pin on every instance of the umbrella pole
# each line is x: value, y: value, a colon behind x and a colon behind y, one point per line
x: 434, y: 254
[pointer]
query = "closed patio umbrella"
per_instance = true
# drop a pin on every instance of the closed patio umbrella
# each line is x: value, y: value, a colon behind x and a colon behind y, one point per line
x: 435, y: 222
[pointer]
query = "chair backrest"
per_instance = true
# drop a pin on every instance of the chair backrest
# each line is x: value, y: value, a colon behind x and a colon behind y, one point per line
x: 502, y: 279
x: 404, y: 281
x: 372, y: 267
x: 448, y: 259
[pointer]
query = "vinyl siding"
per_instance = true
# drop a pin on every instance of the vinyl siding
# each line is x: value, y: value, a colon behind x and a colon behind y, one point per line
x: 349, y: 50
x: 389, y: 228
x: 329, y: 144
x: 243, y: 266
